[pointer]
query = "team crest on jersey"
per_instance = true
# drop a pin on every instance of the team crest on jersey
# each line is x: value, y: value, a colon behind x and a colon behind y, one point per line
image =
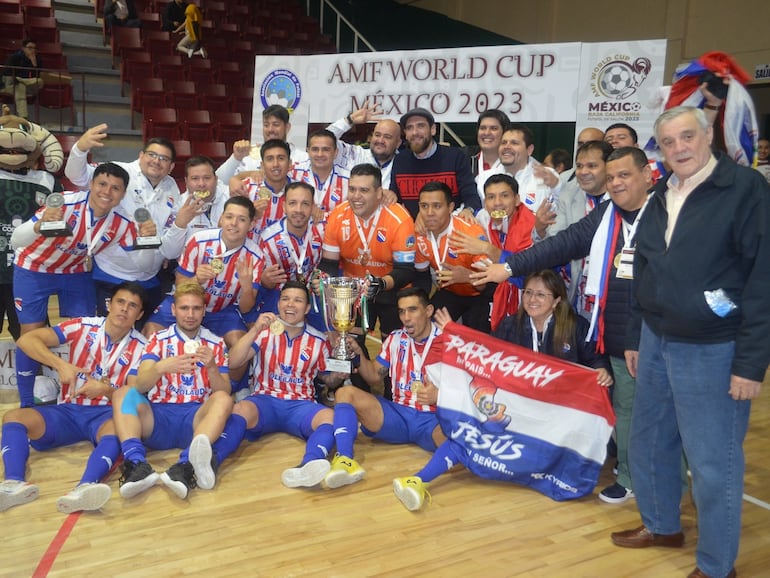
x: 107, y: 236
x: 124, y: 359
x: 451, y: 253
x: 381, y: 237
x: 530, y: 198
x: 410, y: 242
x: 315, y: 245
x: 334, y: 197
x: 305, y: 355
x: 188, y: 379
x: 286, y: 369
x: 170, y: 202
x: 208, y: 252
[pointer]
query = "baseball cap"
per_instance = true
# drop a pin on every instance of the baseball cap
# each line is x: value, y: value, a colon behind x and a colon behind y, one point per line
x: 424, y: 113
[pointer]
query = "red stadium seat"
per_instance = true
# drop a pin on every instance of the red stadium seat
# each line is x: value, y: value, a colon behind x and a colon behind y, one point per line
x: 183, y: 152
x: 216, y: 151
x: 181, y: 94
x: 160, y: 122
x: 196, y: 125
x: 10, y: 7
x: 229, y: 127
x: 42, y: 28
x: 38, y: 8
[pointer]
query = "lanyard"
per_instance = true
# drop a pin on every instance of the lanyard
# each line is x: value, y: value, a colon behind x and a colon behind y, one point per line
x: 434, y: 245
x: 365, y: 241
x: 418, y: 360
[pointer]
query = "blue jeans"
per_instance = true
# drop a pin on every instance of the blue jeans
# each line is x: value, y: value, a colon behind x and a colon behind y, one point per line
x: 682, y: 402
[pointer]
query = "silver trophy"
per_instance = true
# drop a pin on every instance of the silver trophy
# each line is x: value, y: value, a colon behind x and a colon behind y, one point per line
x: 342, y: 297
x: 142, y: 215
x: 55, y: 228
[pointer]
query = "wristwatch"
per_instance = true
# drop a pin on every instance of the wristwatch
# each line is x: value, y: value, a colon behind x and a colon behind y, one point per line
x: 508, y: 269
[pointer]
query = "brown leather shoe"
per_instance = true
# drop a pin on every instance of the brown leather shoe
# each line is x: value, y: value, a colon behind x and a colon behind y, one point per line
x: 698, y: 573
x: 641, y: 537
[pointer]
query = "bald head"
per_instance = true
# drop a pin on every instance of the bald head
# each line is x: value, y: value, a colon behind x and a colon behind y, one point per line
x: 386, y: 139
x: 589, y: 134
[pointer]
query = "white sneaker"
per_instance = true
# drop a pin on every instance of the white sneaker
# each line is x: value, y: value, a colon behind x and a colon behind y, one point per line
x: 202, y: 52
x: 201, y: 458
x: 84, y: 498
x: 15, y: 493
x: 307, y: 476
x: 189, y: 52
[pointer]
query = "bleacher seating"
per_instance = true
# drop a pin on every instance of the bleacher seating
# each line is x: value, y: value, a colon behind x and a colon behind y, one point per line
x: 213, y: 97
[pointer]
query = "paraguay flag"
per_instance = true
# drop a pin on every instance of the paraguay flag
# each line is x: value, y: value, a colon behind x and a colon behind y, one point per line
x: 737, y: 120
x: 515, y: 415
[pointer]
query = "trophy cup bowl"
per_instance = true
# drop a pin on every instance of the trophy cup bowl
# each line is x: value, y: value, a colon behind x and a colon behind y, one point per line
x: 142, y: 215
x: 342, y: 296
x: 55, y: 228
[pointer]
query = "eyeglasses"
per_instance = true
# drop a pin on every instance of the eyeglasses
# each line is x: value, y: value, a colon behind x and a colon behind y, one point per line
x: 156, y: 157
x: 539, y: 295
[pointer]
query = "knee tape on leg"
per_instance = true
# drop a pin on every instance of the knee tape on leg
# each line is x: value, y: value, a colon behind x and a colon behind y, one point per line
x: 132, y: 401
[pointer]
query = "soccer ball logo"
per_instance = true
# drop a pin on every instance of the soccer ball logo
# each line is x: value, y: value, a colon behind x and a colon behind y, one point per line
x: 619, y: 79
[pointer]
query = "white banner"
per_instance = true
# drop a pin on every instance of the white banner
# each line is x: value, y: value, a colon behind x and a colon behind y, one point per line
x: 529, y: 82
x: 621, y: 82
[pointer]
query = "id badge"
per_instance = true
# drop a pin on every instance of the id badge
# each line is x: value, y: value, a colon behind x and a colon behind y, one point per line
x: 626, y: 264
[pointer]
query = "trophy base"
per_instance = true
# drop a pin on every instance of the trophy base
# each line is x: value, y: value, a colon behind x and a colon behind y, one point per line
x: 55, y: 229
x: 339, y: 365
x: 147, y: 243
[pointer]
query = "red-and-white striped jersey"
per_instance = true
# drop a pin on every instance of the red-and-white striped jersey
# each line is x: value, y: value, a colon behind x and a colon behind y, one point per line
x: 275, y: 210
x: 329, y: 193
x: 87, y: 350
x: 286, y: 368
x: 275, y: 249
x: 68, y: 254
x: 224, y: 289
x: 401, y: 355
x: 181, y: 387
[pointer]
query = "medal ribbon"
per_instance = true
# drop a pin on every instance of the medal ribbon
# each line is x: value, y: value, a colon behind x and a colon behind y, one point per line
x: 365, y: 241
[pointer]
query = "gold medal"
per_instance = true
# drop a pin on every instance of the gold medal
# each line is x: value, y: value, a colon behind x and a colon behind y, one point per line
x: 276, y: 327
x: 201, y: 194
x: 190, y: 347
x: 264, y: 193
x: 498, y: 214
x: 617, y: 260
x: 365, y: 258
x: 416, y: 386
x: 89, y: 263
x: 217, y: 264
x: 301, y: 278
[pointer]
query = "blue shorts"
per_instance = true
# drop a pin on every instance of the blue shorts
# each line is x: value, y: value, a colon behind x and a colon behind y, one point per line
x: 294, y: 417
x: 31, y: 290
x: 173, y: 425
x: 405, y: 425
x: 219, y: 323
x: 68, y: 423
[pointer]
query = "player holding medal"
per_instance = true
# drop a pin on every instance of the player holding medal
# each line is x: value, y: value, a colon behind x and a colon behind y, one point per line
x: 291, y: 248
x: 289, y: 354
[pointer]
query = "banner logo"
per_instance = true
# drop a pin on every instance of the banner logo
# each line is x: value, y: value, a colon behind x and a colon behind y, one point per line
x: 619, y: 79
x: 281, y: 87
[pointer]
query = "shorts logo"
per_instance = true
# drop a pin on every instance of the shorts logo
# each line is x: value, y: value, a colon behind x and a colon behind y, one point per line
x: 17, y: 303
x: 281, y: 87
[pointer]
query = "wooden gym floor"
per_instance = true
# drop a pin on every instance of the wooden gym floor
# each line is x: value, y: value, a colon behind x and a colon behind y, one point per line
x: 250, y: 525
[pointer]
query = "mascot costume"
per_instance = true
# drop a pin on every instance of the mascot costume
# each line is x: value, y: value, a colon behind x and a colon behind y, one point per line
x: 23, y: 190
